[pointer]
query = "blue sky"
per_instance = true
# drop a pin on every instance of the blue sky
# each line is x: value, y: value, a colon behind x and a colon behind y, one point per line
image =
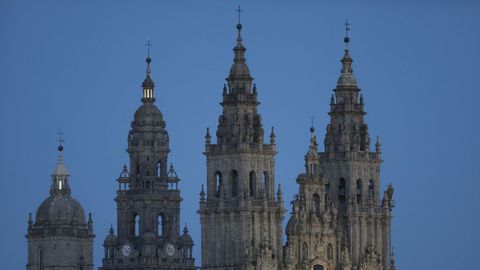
x: 78, y: 66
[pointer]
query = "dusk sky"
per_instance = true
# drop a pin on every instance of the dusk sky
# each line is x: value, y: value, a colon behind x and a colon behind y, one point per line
x: 78, y: 66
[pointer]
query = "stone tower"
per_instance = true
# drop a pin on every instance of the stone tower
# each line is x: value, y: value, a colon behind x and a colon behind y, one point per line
x: 241, y: 216
x: 148, y: 199
x: 339, y: 220
x: 59, y: 238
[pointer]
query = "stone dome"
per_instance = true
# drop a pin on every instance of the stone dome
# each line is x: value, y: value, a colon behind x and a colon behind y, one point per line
x: 239, y: 69
x: 60, y: 210
x: 346, y: 79
x: 148, y: 114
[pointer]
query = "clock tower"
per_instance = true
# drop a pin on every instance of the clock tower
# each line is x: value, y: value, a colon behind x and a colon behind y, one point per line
x: 148, y: 199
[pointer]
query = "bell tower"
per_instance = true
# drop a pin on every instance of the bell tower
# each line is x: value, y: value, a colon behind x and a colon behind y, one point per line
x: 148, y: 198
x: 241, y: 216
x: 339, y: 220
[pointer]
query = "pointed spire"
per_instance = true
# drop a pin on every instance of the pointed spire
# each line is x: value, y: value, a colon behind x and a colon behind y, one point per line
x: 346, y: 77
x: 185, y: 229
x: 90, y: 221
x: 378, y: 146
x: 273, y: 137
x: 30, y: 221
x: 148, y: 83
x: 202, y: 195
x: 111, y: 231
x: 279, y: 193
x: 208, y: 138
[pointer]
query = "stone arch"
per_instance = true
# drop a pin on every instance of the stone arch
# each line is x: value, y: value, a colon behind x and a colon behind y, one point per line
x: 234, y: 182
x: 218, y: 183
x: 160, y: 225
x: 252, y: 183
x: 371, y: 188
x: 359, y: 190
x: 265, y: 183
x: 316, y: 204
x: 136, y: 224
x: 158, y: 169
x: 342, y: 191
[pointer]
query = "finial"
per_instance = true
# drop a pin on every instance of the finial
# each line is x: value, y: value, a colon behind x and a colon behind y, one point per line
x: 60, y: 141
x: 90, y: 220
x: 239, y: 25
x: 30, y: 220
x: 347, y: 29
x: 111, y: 231
x: 148, y: 44
x: 185, y: 229
x: 312, y: 129
x: 254, y: 88
x: 378, y: 145
x: 208, y: 138
x: 273, y: 136
x: 202, y: 194
x: 279, y: 192
x: 224, y: 88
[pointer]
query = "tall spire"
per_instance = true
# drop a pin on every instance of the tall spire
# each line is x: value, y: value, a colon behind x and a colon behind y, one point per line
x: 346, y: 77
x: 148, y: 83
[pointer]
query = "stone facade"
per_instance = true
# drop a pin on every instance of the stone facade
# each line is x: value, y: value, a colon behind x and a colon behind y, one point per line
x: 59, y: 238
x: 338, y: 220
x: 148, y: 199
x: 241, y: 216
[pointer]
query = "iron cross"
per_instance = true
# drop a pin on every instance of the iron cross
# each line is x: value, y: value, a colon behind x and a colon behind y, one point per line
x: 60, y: 139
x: 239, y: 10
x: 347, y: 27
x: 148, y: 44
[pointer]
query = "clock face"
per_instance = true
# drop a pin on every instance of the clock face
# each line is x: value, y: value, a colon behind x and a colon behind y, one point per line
x: 170, y: 250
x: 126, y: 250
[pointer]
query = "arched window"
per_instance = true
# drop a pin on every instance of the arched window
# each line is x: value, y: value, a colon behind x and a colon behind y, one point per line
x: 60, y: 185
x: 341, y: 190
x: 359, y: 190
x: 318, y: 267
x: 371, y: 188
x: 160, y: 225
x: 252, y: 183
x: 316, y: 204
x: 330, y: 251
x: 218, y: 183
x: 136, y: 220
x: 159, y: 169
x: 234, y: 182
x: 264, y: 184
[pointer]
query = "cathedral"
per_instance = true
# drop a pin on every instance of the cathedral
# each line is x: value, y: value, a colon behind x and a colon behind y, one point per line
x: 340, y: 219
